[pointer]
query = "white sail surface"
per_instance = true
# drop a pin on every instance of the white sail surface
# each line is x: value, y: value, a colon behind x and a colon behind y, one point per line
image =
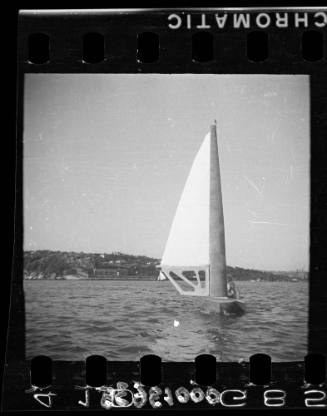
x: 188, y: 241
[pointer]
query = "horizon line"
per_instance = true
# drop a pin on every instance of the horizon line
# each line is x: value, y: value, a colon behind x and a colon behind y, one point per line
x: 300, y: 269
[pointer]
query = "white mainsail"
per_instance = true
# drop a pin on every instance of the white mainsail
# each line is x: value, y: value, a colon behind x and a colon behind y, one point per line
x: 188, y: 241
x: 196, y: 240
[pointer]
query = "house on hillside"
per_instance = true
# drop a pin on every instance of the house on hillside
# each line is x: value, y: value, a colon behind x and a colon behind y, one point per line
x: 108, y: 270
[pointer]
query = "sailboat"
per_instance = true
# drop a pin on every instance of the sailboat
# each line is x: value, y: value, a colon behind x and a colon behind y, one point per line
x: 161, y: 276
x: 194, y: 259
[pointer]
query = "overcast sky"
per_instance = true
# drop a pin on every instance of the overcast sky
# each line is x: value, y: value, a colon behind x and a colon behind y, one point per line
x: 106, y: 158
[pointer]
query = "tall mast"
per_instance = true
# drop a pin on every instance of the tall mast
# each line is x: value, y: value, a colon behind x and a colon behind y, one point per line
x: 217, y: 255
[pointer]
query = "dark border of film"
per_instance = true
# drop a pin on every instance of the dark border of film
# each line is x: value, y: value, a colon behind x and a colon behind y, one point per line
x: 93, y: 46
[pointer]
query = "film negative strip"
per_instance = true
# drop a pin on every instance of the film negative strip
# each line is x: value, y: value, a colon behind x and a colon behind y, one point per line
x: 170, y: 213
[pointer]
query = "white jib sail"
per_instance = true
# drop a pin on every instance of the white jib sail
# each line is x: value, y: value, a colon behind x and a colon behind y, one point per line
x: 188, y: 242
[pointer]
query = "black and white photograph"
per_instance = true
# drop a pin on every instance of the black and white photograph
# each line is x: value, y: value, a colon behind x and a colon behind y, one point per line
x: 166, y: 214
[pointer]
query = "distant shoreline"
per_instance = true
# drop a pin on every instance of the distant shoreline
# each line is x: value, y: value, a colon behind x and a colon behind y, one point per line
x: 58, y: 265
x: 78, y: 279
x: 150, y: 279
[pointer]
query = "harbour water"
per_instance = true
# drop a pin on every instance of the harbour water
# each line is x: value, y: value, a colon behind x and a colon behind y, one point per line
x: 123, y: 320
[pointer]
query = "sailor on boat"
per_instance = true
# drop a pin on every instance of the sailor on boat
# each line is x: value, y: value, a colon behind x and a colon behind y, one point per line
x: 231, y: 289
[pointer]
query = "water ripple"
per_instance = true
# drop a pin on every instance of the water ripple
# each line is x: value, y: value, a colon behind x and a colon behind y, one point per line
x: 69, y: 320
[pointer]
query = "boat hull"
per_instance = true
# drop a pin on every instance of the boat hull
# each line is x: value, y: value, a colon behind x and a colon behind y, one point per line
x: 224, y: 306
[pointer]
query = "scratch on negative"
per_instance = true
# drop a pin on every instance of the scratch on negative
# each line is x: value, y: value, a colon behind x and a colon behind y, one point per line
x: 254, y: 186
x: 268, y: 222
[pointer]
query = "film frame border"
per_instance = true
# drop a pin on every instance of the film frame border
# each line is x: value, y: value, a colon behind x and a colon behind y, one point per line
x: 175, y: 57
